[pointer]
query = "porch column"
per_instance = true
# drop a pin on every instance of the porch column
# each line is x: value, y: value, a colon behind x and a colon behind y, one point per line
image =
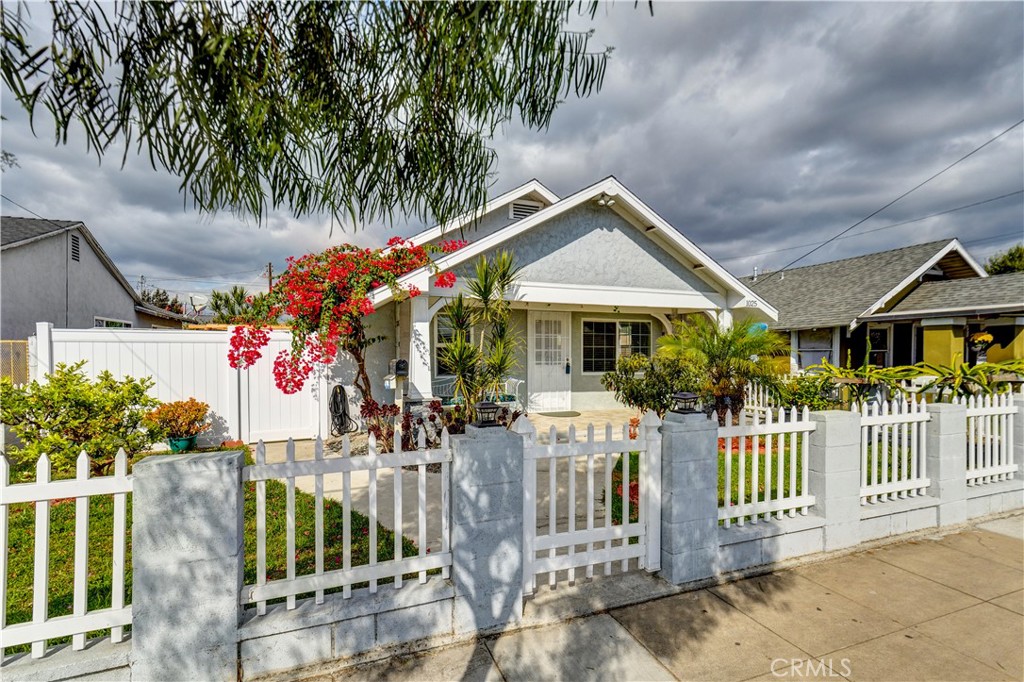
x: 420, y: 349
x: 725, y: 318
x: 943, y: 339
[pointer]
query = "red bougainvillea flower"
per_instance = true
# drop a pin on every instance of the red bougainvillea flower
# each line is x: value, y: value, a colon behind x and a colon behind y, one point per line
x: 445, y: 280
x: 453, y: 245
x: 325, y: 296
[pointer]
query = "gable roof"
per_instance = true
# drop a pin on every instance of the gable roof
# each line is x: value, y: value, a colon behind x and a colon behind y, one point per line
x: 16, y: 231
x: 839, y: 293
x: 531, y: 187
x: 995, y: 294
x: 626, y: 202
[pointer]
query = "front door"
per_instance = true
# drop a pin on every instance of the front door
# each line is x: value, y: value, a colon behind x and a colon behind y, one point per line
x: 548, y: 344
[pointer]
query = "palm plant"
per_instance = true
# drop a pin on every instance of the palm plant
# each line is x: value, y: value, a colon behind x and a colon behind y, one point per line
x: 727, y: 359
x: 481, y: 370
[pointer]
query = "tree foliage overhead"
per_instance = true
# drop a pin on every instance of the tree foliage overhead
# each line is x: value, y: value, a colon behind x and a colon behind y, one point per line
x: 1011, y: 260
x: 363, y: 110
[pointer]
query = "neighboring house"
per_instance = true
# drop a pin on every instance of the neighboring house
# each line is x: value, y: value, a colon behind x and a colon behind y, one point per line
x: 55, y: 271
x: 602, y: 276
x: 917, y: 303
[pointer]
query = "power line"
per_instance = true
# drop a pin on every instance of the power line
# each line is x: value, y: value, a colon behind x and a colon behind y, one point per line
x: 876, y: 212
x: 877, y: 229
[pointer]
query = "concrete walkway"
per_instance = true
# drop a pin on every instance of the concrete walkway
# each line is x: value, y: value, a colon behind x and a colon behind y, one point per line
x: 943, y: 607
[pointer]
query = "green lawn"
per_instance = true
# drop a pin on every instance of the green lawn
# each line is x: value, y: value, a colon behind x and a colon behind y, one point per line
x: 62, y: 529
x: 762, y: 469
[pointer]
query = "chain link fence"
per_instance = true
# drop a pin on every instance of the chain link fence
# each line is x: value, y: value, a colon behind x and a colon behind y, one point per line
x: 14, y: 361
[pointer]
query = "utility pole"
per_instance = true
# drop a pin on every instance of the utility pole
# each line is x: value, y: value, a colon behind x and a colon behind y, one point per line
x: 270, y: 277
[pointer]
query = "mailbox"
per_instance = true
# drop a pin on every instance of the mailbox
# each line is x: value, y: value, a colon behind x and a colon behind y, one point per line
x: 400, y: 368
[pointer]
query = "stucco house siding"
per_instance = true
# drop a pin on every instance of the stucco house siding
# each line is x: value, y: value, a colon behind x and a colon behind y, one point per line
x: 590, y: 245
x: 41, y: 283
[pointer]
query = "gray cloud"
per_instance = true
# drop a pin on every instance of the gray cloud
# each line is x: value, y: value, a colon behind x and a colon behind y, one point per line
x: 751, y: 127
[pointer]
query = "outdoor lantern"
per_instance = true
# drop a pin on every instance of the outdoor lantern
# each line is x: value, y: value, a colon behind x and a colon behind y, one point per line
x: 486, y: 413
x: 685, y: 402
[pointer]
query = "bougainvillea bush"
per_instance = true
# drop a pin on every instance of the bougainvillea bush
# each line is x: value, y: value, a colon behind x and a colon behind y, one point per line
x: 326, y: 296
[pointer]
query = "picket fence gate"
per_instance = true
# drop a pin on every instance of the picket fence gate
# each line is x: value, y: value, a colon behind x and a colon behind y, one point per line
x: 892, y: 449
x: 559, y: 543
x: 377, y: 568
x: 40, y: 494
x: 990, y: 437
x: 791, y: 463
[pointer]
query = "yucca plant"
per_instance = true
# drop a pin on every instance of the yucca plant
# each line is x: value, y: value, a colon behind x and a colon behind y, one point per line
x: 480, y: 370
x: 727, y: 358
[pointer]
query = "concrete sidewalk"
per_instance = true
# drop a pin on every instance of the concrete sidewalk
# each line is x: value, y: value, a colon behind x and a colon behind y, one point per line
x: 941, y: 607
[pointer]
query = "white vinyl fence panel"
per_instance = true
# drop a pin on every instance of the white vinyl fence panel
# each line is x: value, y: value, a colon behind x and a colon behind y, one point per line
x: 575, y: 528
x: 892, y: 447
x: 766, y: 460
x: 374, y: 467
x: 194, y: 364
x: 990, y: 438
x: 42, y: 627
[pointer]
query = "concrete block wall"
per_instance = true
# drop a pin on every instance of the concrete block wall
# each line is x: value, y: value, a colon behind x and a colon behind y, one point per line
x: 188, y: 542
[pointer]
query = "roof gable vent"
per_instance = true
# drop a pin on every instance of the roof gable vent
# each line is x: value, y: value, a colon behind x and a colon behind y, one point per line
x: 520, y: 209
x: 76, y: 249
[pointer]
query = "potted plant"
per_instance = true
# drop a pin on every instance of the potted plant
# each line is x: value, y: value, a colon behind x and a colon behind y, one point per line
x: 182, y: 421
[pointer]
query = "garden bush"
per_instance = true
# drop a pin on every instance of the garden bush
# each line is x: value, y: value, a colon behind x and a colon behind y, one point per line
x: 69, y: 413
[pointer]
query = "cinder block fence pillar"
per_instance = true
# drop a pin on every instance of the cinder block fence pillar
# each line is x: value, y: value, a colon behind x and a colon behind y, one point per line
x: 187, y: 564
x: 689, y: 497
x: 487, y: 529
x: 834, y: 478
x: 1018, y: 435
x: 946, y: 457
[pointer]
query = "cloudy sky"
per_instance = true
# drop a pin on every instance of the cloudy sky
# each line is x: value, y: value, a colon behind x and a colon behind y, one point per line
x: 758, y: 130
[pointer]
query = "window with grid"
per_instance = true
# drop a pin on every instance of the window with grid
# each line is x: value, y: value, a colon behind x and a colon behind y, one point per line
x: 604, y: 342
x: 548, y: 343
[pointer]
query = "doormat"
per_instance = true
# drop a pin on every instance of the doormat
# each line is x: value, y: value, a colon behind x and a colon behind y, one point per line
x: 567, y: 413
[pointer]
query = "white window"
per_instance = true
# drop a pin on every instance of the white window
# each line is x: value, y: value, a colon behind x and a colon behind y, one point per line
x: 880, y: 337
x: 547, y: 342
x: 108, y: 322
x: 605, y: 341
x: 812, y: 346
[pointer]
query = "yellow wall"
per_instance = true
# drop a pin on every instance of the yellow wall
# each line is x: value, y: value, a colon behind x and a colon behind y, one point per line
x: 1013, y: 351
x: 942, y: 344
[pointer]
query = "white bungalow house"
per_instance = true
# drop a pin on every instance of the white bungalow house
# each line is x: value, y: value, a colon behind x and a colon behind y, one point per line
x: 602, y: 276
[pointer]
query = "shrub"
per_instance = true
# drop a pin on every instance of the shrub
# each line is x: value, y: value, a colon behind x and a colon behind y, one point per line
x: 814, y: 391
x: 69, y: 413
x: 648, y: 384
x: 179, y: 419
x: 380, y: 422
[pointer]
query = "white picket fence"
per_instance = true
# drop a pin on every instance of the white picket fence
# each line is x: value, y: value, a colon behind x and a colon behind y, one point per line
x: 578, y: 531
x: 990, y: 437
x: 42, y: 627
x: 892, y: 449
x: 372, y: 465
x: 770, y: 446
x: 759, y: 399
